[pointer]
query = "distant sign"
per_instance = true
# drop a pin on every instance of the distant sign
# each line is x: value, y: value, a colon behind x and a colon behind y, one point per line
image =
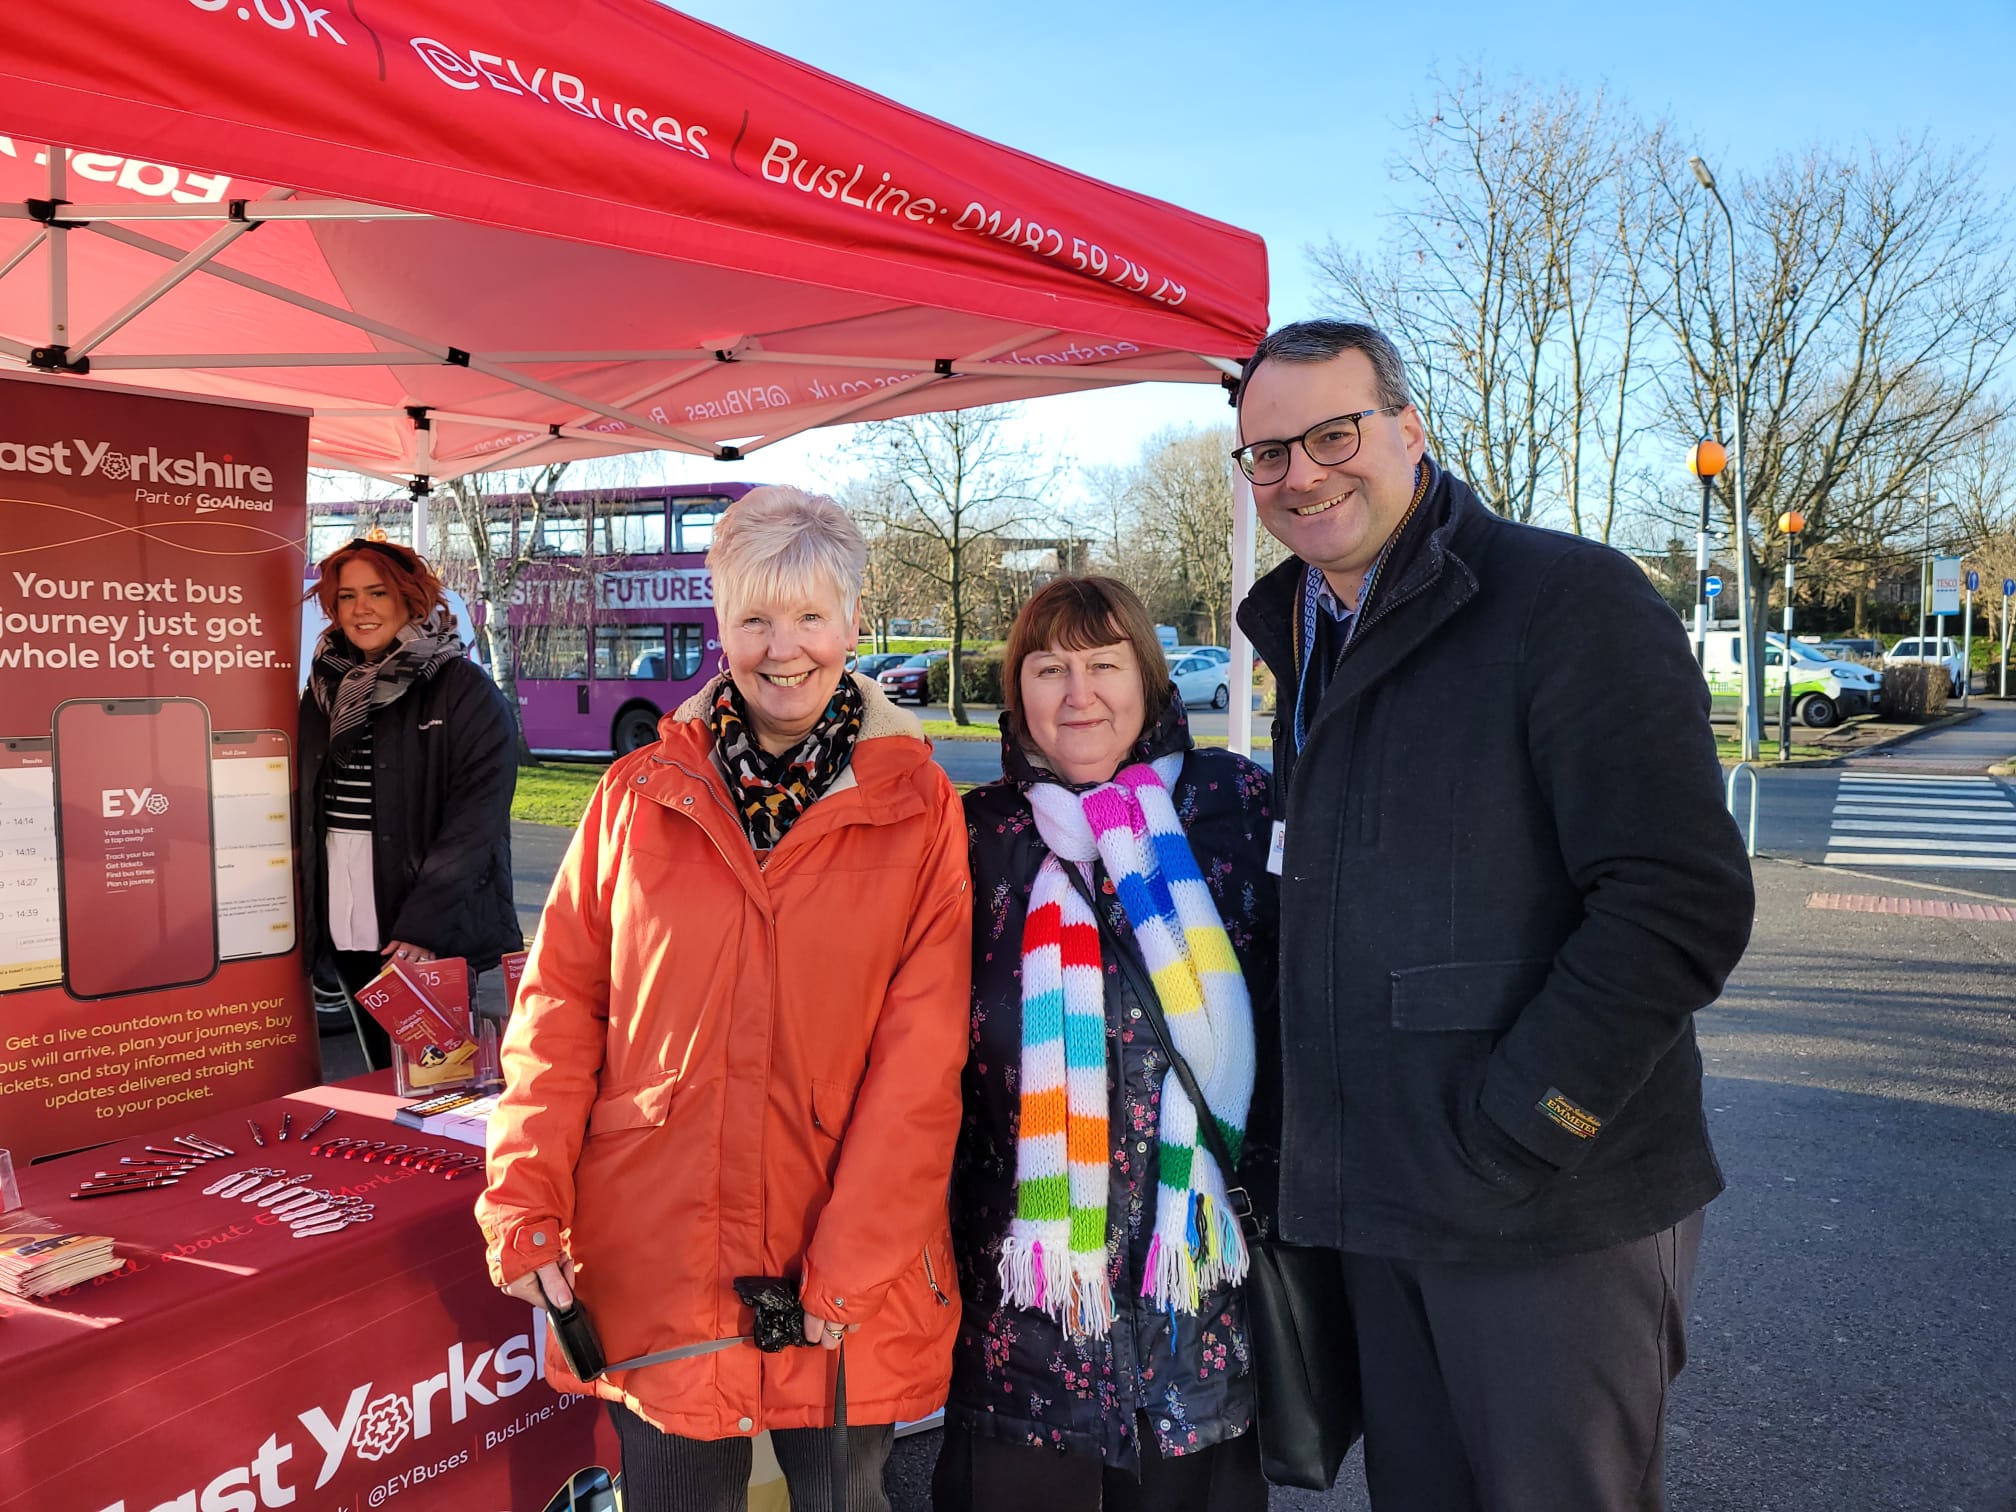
x: 1711, y: 586
x: 2009, y: 587
x: 1946, y: 585
x: 1973, y: 582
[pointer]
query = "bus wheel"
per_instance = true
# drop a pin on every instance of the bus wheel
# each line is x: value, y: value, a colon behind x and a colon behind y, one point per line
x: 1818, y: 712
x: 636, y: 727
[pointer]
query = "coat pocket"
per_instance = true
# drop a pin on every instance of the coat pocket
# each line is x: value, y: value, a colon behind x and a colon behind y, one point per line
x: 832, y: 1106
x: 1481, y: 996
x: 642, y: 1106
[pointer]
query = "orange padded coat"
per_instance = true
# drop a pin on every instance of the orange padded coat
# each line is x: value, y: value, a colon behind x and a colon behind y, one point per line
x: 723, y: 1065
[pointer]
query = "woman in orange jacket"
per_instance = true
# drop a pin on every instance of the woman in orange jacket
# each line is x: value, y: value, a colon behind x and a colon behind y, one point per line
x: 738, y: 1044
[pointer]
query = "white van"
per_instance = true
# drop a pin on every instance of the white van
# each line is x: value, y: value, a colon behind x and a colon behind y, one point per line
x: 1824, y: 692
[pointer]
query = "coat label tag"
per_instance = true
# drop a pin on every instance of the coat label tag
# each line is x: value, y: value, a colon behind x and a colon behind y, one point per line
x: 1577, y: 1120
x: 1277, y: 847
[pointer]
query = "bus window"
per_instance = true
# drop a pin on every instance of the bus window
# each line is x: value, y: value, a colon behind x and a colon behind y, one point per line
x: 696, y: 525
x: 562, y: 536
x: 633, y: 652
x: 630, y: 528
x: 552, y: 651
x: 687, y: 644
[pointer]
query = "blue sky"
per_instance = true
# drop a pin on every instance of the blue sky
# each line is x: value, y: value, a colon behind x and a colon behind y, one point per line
x: 1283, y: 118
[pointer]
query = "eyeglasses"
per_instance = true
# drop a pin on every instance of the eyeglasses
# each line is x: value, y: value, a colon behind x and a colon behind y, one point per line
x: 1328, y: 443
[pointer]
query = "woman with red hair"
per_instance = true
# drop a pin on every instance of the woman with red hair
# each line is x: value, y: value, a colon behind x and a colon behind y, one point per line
x: 408, y: 762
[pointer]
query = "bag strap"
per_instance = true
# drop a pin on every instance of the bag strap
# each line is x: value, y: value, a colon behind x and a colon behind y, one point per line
x: 837, y: 1464
x: 1151, y: 1009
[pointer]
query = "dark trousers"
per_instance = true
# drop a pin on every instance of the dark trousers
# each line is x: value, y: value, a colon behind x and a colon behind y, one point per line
x: 663, y: 1472
x: 1510, y: 1388
x: 355, y: 968
x: 980, y: 1473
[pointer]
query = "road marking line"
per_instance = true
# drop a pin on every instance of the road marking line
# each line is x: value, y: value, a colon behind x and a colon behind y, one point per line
x: 1929, y: 908
x: 1971, y: 790
x: 1920, y: 795
x: 1905, y: 780
x: 1900, y: 827
x: 1908, y: 842
x: 1948, y: 862
x: 1986, y: 811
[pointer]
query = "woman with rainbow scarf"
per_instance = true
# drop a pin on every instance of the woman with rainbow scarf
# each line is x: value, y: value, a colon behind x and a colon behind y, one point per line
x: 1102, y: 1358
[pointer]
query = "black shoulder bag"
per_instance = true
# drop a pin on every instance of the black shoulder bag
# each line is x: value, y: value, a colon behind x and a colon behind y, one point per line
x: 1305, y: 1351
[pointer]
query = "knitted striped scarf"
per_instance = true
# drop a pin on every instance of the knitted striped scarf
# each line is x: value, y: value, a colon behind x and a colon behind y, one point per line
x: 1054, y: 1259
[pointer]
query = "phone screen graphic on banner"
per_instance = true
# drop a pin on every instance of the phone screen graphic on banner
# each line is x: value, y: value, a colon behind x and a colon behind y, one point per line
x: 151, y: 559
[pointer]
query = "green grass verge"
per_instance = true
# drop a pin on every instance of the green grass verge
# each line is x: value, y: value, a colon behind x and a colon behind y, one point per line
x: 1731, y: 751
x: 554, y: 793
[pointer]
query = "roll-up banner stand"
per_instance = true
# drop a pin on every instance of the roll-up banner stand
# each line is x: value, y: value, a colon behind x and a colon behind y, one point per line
x: 151, y: 558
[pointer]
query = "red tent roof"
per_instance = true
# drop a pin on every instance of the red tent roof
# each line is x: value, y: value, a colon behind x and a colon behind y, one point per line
x: 556, y: 228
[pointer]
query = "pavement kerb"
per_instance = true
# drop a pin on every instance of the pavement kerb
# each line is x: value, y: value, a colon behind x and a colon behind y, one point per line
x: 1943, y: 722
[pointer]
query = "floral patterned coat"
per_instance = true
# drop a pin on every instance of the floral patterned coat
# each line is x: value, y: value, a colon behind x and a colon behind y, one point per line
x: 1017, y: 1373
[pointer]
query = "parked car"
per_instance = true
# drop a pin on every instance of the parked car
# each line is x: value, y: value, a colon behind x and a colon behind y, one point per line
x: 1824, y: 692
x: 1216, y: 653
x: 1850, y: 647
x: 875, y: 663
x: 910, y: 677
x: 1942, y: 649
x: 1202, y: 680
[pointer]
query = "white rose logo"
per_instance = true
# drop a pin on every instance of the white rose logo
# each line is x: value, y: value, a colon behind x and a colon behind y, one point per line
x: 449, y: 66
x: 116, y: 467
x: 384, y: 1427
x: 158, y: 803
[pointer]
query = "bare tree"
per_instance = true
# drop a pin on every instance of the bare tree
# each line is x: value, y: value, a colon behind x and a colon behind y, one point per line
x: 1878, y: 305
x: 1168, y: 529
x: 1502, y: 276
x: 942, y: 487
x: 495, y: 528
x: 891, y: 588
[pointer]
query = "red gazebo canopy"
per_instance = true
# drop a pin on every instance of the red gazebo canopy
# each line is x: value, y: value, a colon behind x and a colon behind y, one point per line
x: 469, y: 236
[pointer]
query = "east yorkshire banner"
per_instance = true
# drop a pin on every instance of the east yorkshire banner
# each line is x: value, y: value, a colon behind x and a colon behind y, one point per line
x: 151, y: 561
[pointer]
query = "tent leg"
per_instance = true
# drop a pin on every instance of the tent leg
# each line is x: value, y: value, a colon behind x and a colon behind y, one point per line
x: 59, y: 253
x: 1240, y: 731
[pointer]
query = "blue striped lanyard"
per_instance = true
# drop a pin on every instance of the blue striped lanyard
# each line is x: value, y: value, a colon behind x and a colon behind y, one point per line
x: 1312, y: 592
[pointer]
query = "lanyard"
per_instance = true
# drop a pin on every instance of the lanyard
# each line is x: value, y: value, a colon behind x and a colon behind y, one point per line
x: 1312, y: 588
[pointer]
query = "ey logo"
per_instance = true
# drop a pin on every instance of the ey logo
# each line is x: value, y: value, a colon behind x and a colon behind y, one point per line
x: 118, y: 803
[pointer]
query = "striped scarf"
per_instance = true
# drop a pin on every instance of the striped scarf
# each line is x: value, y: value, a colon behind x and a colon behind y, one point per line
x: 1054, y: 1258
x: 349, y: 689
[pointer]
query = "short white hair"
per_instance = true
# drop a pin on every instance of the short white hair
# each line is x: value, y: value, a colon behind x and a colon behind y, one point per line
x: 779, y: 543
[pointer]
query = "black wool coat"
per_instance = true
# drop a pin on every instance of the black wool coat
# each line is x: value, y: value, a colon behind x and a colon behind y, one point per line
x: 1186, y: 1380
x: 1510, y: 880
x: 445, y: 767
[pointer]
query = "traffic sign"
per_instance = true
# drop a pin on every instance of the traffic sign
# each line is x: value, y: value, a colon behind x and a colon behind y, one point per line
x: 1973, y: 581
x: 1713, y: 585
x: 2009, y: 587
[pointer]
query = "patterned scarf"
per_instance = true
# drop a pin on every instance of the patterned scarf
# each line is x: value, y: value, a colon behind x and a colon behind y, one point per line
x: 349, y: 689
x: 772, y: 792
x: 1054, y: 1259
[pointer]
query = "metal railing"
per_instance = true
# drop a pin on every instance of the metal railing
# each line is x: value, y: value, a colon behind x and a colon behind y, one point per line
x: 1750, y: 831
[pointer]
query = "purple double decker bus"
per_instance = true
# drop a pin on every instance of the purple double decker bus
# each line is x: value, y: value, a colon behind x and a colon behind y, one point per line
x: 611, y: 621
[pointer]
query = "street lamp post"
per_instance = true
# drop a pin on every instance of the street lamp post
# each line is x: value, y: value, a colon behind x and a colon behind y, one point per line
x: 1790, y: 524
x: 1742, y: 535
x: 1705, y: 460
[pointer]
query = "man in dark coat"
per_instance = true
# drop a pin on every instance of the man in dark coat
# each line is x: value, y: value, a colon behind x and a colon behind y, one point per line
x: 1508, y: 883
